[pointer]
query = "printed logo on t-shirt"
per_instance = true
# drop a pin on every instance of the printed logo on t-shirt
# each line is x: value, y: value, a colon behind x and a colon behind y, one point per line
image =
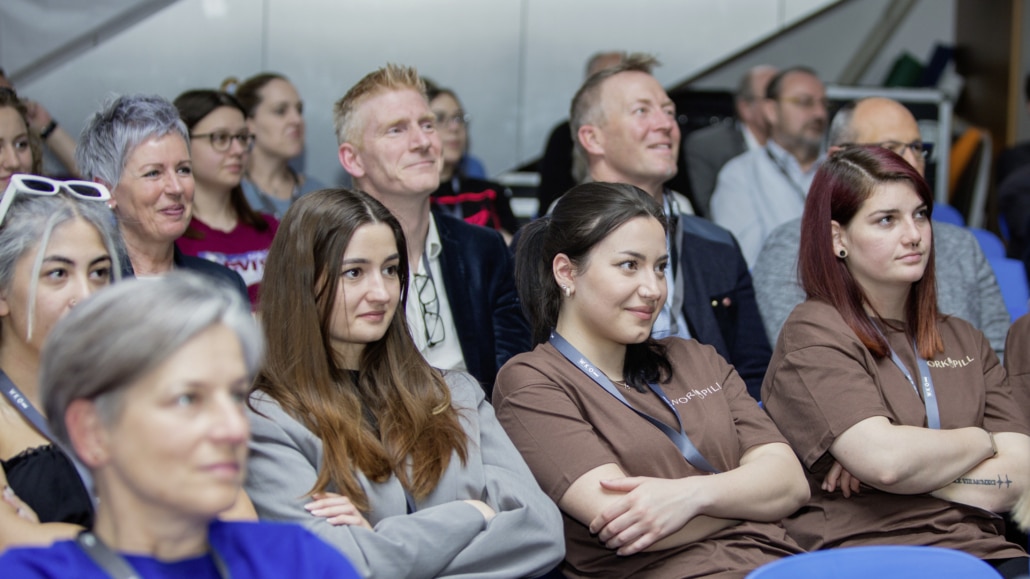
x: 250, y: 265
x: 699, y: 393
x: 949, y: 362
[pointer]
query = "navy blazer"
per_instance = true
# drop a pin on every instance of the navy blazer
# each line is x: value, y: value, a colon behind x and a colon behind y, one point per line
x: 719, y: 299
x: 199, y: 265
x: 479, y: 278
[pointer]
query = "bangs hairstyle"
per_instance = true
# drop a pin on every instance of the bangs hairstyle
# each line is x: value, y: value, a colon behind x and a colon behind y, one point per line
x: 391, y: 77
x: 9, y: 99
x: 193, y: 107
x: 581, y: 219
x: 29, y: 225
x: 397, y: 417
x: 839, y: 189
x: 121, y: 125
x: 115, y: 338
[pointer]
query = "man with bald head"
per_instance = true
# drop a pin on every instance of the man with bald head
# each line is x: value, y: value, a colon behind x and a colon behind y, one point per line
x: 708, y: 149
x: 966, y: 287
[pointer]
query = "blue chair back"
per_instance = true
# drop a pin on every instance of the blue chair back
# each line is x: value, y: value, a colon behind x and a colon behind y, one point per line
x: 991, y: 244
x: 948, y: 214
x: 1011, y: 276
x: 886, y: 562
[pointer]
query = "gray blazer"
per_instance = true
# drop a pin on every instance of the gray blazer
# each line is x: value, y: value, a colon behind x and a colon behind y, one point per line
x: 445, y: 537
x: 966, y: 287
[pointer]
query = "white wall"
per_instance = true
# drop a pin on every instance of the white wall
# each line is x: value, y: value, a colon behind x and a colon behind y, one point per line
x: 514, y: 63
x: 828, y: 43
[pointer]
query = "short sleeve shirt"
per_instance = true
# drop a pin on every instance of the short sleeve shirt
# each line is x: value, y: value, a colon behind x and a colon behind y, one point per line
x: 822, y: 381
x: 565, y: 425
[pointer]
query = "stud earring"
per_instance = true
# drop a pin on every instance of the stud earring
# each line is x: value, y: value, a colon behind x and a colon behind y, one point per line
x: 565, y: 290
x: 843, y: 253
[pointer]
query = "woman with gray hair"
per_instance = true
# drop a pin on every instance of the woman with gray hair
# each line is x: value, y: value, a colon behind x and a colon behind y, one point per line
x: 138, y: 147
x: 147, y: 386
x: 56, y: 249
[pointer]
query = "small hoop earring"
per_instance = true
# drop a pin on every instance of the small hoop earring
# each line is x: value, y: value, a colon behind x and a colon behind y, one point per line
x: 843, y: 253
x: 565, y: 290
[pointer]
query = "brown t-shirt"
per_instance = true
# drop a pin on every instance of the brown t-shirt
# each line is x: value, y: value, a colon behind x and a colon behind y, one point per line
x: 1017, y: 362
x: 565, y: 425
x: 822, y: 381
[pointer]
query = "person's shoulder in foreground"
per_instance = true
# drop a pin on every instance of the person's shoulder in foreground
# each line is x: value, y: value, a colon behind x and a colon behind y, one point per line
x: 250, y: 550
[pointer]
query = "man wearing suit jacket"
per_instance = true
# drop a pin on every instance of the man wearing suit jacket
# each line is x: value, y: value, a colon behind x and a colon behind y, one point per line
x: 625, y: 128
x: 462, y: 307
x: 708, y: 149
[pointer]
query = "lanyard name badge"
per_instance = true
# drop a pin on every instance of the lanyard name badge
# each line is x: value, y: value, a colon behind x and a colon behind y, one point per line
x: 22, y: 404
x: 679, y: 438
x: 927, y: 393
x: 116, y: 567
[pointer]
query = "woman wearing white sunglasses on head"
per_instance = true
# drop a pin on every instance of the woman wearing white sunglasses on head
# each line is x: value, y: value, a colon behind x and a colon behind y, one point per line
x: 58, y: 245
x: 139, y: 148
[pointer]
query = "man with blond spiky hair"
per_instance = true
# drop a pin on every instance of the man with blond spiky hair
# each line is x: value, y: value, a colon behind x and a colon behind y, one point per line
x: 462, y: 309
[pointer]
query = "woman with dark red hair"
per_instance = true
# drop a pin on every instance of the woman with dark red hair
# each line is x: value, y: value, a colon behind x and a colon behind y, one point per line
x: 902, y: 417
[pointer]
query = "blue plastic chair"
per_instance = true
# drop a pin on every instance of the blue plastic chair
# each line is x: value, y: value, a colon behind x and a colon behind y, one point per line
x: 1011, y: 276
x: 948, y: 214
x: 991, y: 244
x: 887, y: 562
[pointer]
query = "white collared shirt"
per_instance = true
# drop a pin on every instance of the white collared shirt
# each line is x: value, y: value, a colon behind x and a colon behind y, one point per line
x: 447, y: 354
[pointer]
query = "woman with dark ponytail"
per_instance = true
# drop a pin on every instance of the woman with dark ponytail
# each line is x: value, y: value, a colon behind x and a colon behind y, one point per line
x: 660, y: 461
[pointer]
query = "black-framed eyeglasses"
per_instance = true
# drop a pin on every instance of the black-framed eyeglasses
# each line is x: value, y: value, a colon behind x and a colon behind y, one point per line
x: 919, y: 148
x: 221, y: 140
x: 459, y: 119
x: 429, y: 303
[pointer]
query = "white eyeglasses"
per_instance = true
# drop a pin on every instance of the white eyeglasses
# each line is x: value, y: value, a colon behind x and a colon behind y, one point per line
x: 35, y: 185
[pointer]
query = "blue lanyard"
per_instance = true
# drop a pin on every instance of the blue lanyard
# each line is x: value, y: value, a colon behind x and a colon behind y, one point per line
x: 927, y: 393
x: 22, y: 404
x: 679, y: 438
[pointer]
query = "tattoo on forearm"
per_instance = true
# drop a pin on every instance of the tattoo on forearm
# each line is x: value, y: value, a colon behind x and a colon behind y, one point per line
x: 986, y: 482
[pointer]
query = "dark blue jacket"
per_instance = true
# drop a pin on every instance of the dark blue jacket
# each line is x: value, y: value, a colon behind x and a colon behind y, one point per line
x: 199, y: 265
x: 479, y: 278
x: 719, y: 299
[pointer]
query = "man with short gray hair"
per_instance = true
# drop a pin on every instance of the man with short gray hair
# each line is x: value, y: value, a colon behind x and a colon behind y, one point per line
x: 626, y: 130
x: 761, y: 189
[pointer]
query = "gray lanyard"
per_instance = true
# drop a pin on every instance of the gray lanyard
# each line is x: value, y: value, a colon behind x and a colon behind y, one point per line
x: 679, y: 438
x: 786, y: 175
x: 22, y: 404
x: 118, y: 568
x: 927, y: 392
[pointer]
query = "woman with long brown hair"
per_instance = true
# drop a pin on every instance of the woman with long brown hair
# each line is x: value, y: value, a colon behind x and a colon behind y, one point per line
x: 400, y: 466
x: 902, y: 417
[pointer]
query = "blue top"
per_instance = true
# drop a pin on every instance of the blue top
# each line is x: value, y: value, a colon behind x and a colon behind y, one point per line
x: 265, y: 203
x: 250, y: 550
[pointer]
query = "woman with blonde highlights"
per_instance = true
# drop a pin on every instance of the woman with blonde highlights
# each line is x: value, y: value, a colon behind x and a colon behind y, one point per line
x: 400, y: 466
